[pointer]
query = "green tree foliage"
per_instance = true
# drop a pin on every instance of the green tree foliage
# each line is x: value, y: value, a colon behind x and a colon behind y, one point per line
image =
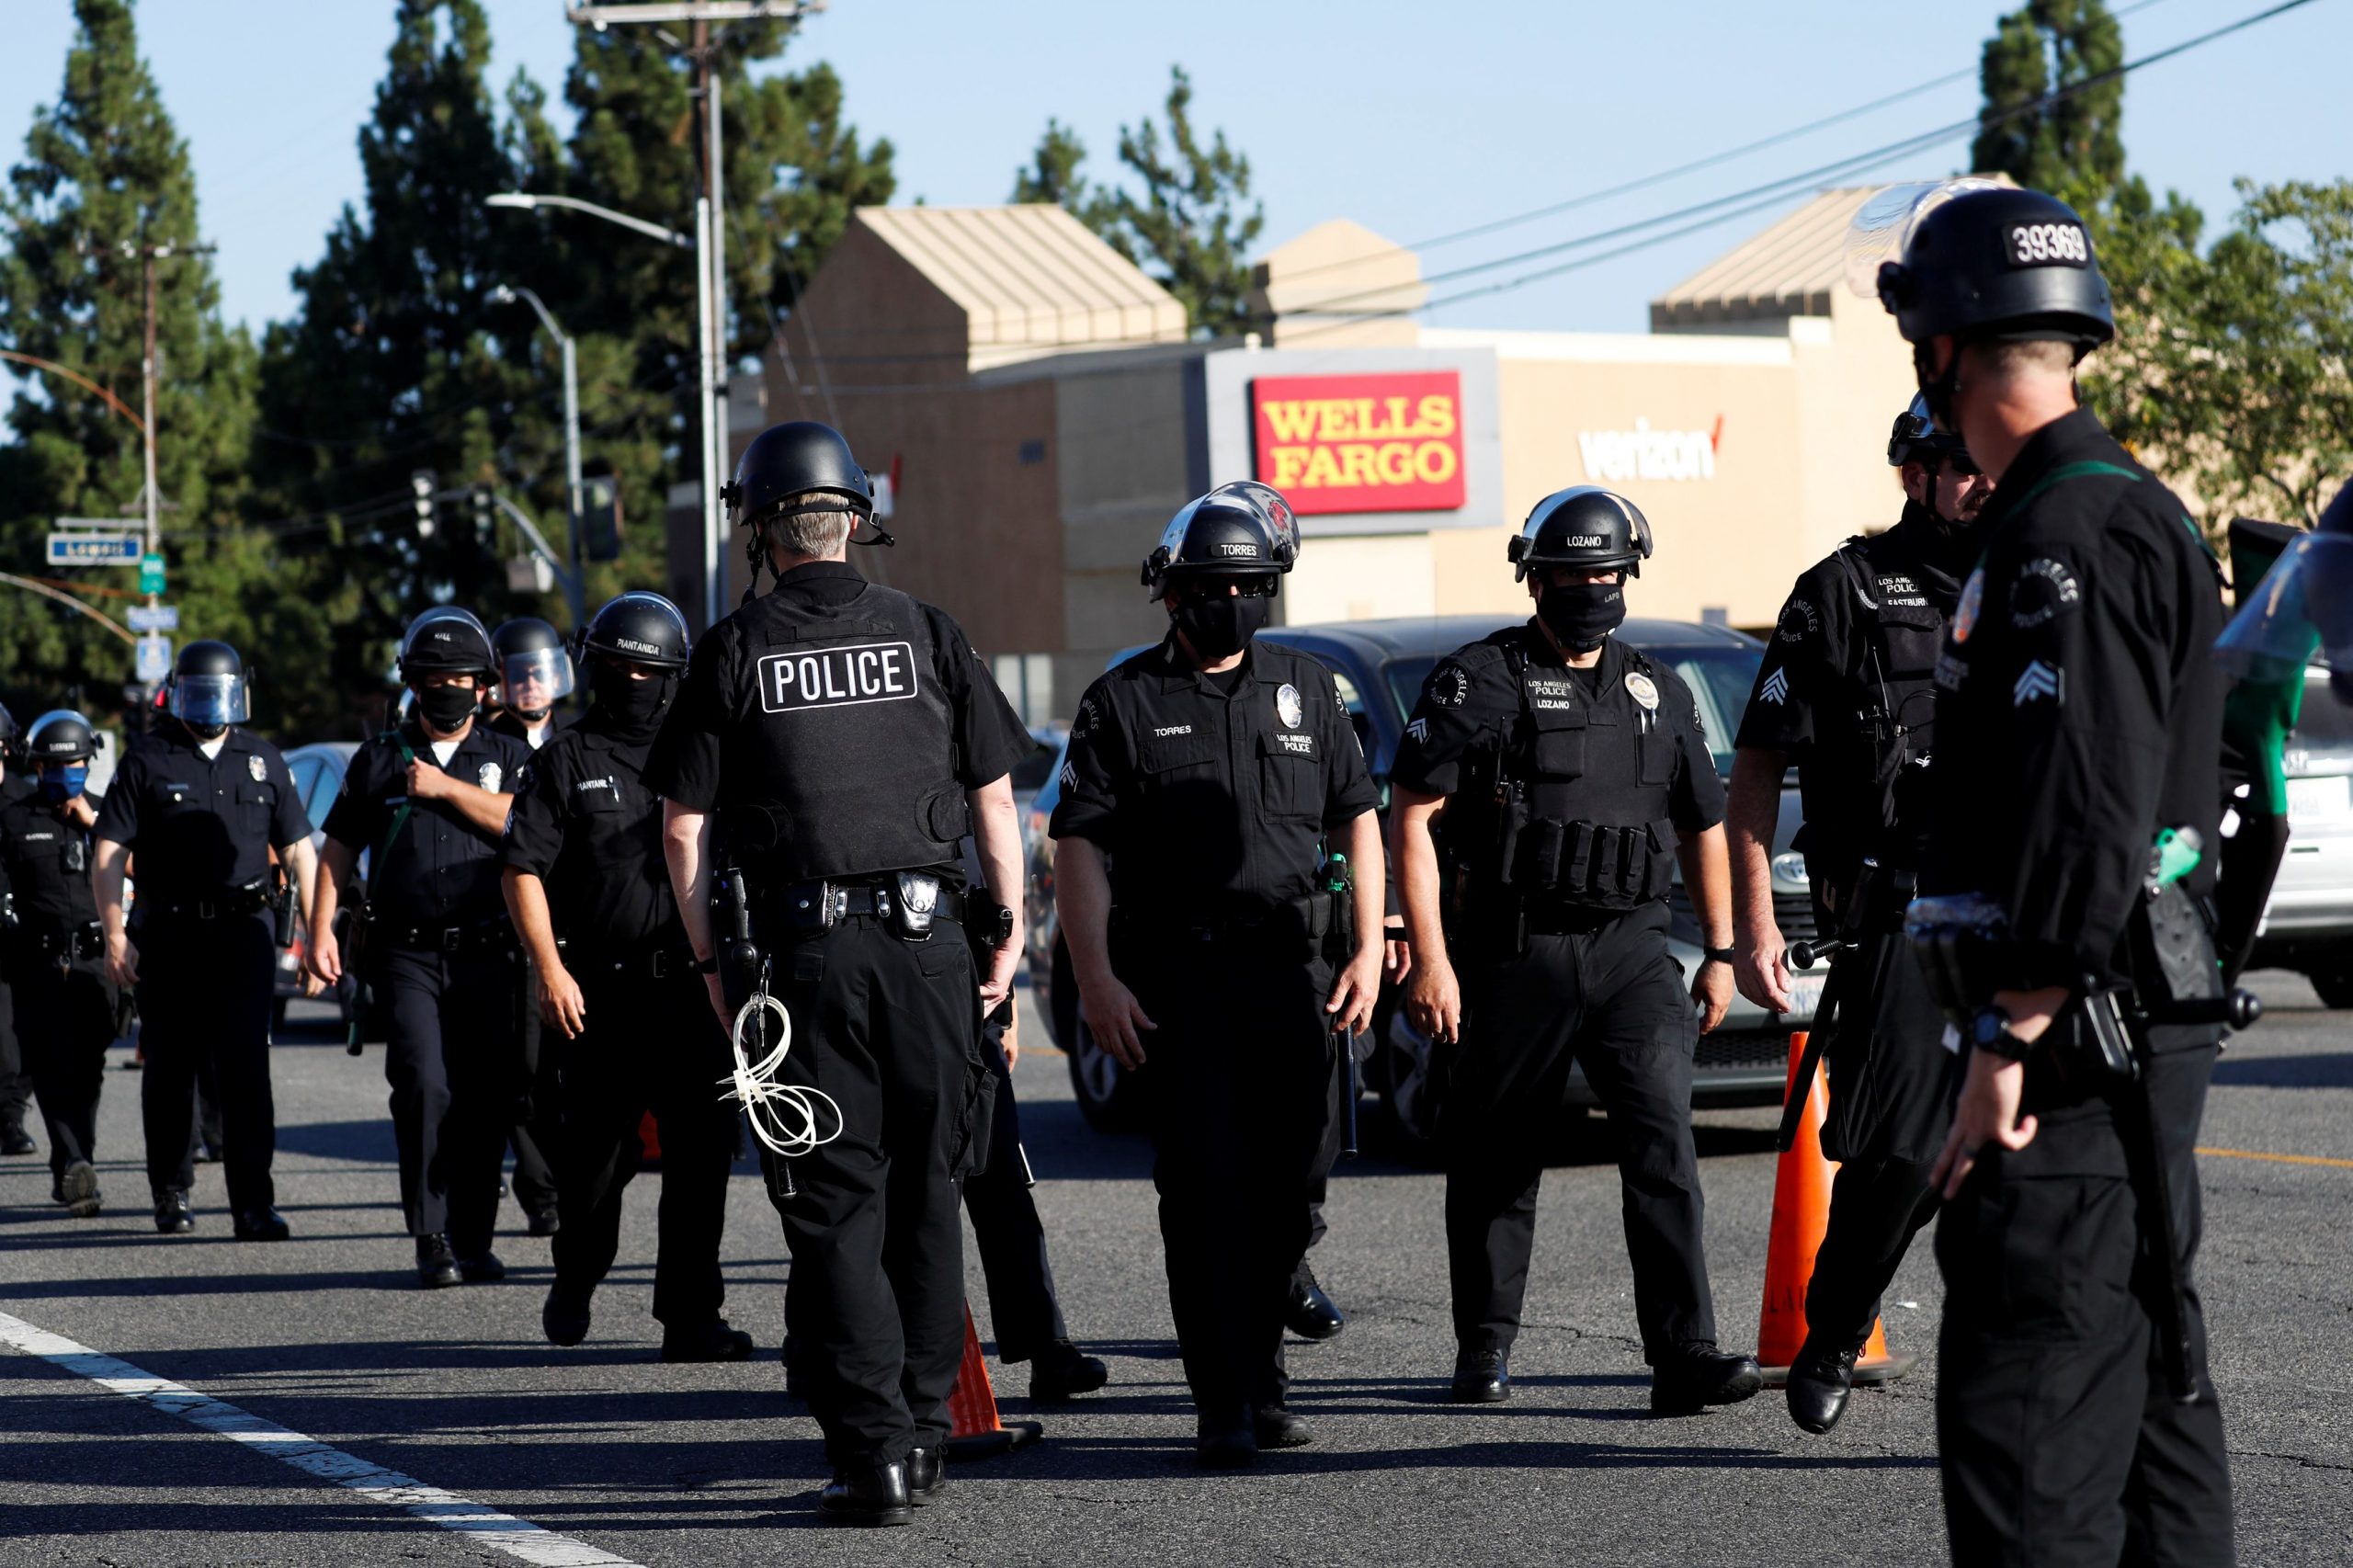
x: 2074, y: 148
x: 103, y: 168
x: 1180, y: 215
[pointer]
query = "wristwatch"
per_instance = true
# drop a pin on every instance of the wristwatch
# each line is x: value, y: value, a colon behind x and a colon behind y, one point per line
x: 709, y: 965
x: 1718, y: 955
x: 1990, y: 1031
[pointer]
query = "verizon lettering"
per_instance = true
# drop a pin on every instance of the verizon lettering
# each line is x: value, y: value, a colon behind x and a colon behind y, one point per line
x: 1645, y: 453
x: 837, y: 678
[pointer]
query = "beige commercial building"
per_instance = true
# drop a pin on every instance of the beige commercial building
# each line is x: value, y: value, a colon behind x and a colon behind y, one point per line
x: 1039, y: 411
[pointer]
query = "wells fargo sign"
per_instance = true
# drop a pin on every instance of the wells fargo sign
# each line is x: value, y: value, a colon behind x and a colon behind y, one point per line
x: 1361, y: 443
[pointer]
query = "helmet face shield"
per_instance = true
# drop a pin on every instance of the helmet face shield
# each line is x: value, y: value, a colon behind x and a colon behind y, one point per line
x: 2303, y: 605
x: 535, y: 679
x: 209, y: 702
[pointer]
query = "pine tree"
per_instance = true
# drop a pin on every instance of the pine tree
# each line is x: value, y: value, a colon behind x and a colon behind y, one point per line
x: 103, y: 168
x: 2074, y: 148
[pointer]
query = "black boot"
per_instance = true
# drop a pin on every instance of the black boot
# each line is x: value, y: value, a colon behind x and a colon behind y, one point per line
x: 173, y: 1216
x: 1480, y: 1377
x: 436, y: 1265
x: 1273, y: 1426
x: 1820, y: 1381
x: 1310, y: 1313
x: 1060, y: 1372
x: 563, y: 1317
x: 481, y: 1269
x: 77, y: 1188
x: 867, y: 1494
x: 1697, y: 1375
x: 1222, y: 1439
x: 15, y: 1140
x: 713, y: 1341
x: 544, y: 1222
x: 926, y: 1475
x: 260, y: 1225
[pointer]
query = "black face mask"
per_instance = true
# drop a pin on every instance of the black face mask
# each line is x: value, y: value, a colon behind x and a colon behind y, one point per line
x: 447, y: 707
x: 1582, y: 614
x: 1948, y: 547
x: 206, y: 731
x: 630, y: 705
x: 1221, y: 628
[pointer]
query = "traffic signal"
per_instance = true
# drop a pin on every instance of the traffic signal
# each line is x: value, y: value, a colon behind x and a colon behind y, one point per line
x: 600, y: 518
x: 420, y: 482
x: 485, y: 519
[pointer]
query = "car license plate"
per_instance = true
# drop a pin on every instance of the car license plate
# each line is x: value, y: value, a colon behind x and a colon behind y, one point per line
x: 1805, y: 993
x: 2319, y: 800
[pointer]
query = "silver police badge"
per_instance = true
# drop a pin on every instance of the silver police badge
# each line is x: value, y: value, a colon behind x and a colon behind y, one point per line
x: 1288, y: 707
x: 488, y: 776
x: 1642, y: 689
x: 259, y: 769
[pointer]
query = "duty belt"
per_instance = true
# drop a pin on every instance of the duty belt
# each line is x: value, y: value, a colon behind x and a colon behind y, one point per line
x: 1308, y: 918
x: 657, y: 963
x: 251, y: 899
x: 474, y: 937
x: 65, y: 943
x: 821, y: 904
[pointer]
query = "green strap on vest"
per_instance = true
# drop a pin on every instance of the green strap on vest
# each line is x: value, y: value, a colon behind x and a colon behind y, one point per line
x: 2072, y: 471
x: 400, y: 818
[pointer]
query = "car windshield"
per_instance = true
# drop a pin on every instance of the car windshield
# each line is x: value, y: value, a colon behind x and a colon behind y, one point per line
x: 1720, y: 678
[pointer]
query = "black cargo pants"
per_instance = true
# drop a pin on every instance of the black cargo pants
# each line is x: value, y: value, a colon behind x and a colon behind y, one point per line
x: 649, y: 1044
x: 449, y: 1060
x: 1610, y: 999
x: 65, y: 1018
x: 1023, y: 1310
x: 874, y: 1307
x: 2062, y: 1444
x: 205, y: 988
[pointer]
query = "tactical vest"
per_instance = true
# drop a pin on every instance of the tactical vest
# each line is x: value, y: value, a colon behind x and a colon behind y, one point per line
x: 1881, y: 752
x: 844, y: 758
x: 1575, y: 811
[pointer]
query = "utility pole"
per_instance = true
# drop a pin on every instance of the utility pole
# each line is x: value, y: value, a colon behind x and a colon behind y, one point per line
x: 700, y: 48
x: 148, y: 256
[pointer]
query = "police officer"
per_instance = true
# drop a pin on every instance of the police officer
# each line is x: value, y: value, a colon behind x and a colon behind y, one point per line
x: 2078, y: 716
x: 55, y: 951
x: 201, y: 802
x: 630, y: 1031
x: 846, y: 737
x: 1844, y: 692
x: 1206, y: 779
x: 535, y: 673
x: 1556, y: 777
x: 16, y: 1084
x: 428, y: 801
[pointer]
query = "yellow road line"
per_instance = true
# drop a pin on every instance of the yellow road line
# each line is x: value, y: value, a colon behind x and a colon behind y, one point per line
x: 2280, y: 1159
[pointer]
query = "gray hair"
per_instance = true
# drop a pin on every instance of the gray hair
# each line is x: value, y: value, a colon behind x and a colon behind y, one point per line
x: 818, y: 531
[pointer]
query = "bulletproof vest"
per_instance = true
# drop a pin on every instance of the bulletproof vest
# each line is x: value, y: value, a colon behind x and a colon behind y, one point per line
x: 846, y: 764
x: 1882, y: 750
x: 1580, y: 796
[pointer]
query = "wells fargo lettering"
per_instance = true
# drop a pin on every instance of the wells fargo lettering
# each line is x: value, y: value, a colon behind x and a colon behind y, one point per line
x: 1362, y: 443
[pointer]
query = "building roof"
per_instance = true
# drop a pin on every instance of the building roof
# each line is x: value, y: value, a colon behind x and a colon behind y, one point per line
x: 1787, y: 271
x: 1030, y: 278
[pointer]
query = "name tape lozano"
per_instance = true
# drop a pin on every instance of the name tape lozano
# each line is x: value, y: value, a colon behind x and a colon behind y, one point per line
x: 837, y: 678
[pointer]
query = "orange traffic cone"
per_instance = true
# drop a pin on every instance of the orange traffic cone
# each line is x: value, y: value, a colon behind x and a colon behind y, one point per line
x: 1801, y: 1216
x: 973, y: 1430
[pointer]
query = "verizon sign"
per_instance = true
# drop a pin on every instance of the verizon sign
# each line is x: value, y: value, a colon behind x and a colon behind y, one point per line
x: 1643, y: 453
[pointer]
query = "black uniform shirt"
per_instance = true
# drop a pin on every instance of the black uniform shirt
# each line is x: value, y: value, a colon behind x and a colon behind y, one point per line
x: 443, y: 871
x: 1469, y: 709
x: 47, y: 861
x: 2079, y: 708
x: 725, y: 739
x: 1211, y: 803
x: 199, y: 826
x: 585, y: 824
x: 1858, y: 636
x: 12, y: 785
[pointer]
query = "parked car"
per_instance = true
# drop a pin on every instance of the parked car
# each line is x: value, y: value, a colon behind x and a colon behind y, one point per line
x: 1032, y: 771
x: 2308, y: 924
x: 1379, y: 666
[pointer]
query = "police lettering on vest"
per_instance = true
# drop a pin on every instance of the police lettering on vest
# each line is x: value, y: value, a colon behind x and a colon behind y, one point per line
x: 873, y: 672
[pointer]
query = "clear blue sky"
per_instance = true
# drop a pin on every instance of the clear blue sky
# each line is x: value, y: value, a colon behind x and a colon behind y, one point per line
x: 1413, y: 119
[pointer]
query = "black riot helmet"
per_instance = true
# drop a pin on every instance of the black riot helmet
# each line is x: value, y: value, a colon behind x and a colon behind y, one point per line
x: 446, y: 638
x: 208, y: 691
x: 1229, y: 532
x: 534, y: 666
x: 1586, y: 527
x: 11, y: 737
x: 799, y: 460
x: 641, y: 627
x: 60, y: 737
x: 1917, y: 440
x: 1998, y: 263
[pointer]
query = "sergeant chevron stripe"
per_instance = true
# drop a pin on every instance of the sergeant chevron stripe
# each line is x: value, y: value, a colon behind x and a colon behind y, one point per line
x: 2038, y: 680
x: 1776, y: 687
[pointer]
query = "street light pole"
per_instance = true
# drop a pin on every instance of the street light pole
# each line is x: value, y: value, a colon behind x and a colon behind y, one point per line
x: 574, y: 589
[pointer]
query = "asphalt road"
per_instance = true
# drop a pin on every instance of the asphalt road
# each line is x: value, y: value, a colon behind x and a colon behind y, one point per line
x: 329, y: 1336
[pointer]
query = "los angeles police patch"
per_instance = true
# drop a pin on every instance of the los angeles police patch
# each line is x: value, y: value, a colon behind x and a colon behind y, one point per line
x: 1798, y: 623
x: 256, y: 766
x: 1450, y: 685
x: 1972, y: 598
x: 1287, y: 707
x: 488, y: 776
x: 2045, y: 590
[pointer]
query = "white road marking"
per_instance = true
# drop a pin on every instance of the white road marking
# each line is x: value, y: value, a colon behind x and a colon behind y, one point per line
x: 477, y: 1522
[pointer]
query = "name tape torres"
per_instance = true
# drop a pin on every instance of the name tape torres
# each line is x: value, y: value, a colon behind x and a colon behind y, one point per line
x: 837, y: 678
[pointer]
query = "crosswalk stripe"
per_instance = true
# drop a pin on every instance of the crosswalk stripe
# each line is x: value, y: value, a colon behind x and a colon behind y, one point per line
x: 477, y: 1522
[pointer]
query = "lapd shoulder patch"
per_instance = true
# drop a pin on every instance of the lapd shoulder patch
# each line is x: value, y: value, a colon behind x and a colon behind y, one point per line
x: 1288, y: 707
x: 2045, y: 590
x: 1449, y: 684
x: 1798, y: 623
